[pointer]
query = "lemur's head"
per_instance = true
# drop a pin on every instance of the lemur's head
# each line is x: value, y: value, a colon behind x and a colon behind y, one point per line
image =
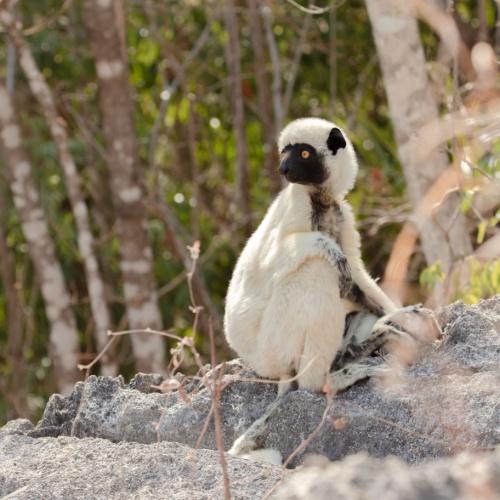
x: 316, y: 153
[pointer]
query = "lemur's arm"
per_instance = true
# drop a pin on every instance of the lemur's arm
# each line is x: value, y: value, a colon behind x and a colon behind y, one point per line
x: 296, y: 248
x: 364, y: 286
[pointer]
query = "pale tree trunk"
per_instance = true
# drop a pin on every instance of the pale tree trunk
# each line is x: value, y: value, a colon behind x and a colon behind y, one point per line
x: 264, y: 96
x: 126, y: 180
x: 233, y: 57
x: 63, y: 333
x: 14, y: 384
x: 57, y: 126
x: 412, y: 105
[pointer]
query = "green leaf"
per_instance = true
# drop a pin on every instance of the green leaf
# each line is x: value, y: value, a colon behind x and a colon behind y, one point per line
x: 481, y: 231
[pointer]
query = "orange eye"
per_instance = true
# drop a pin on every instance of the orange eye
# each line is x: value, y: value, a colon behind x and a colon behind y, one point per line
x: 305, y: 154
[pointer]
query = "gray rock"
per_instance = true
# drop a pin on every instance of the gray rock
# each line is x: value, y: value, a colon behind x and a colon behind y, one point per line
x: 464, y: 477
x: 447, y: 401
x: 18, y: 426
x: 66, y: 467
x: 146, y: 382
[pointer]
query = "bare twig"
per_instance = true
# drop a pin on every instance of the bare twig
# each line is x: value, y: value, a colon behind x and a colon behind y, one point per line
x: 167, y: 334
x: 305, y: 443
x: 45, y: 22
x: 233, y: 58
x: 216, y: 389
x: 314, y: 9
x: 173, y: 226
x: 89, y: 366
x: 219, y: 438
x: 445, y: 26
x: 170, y: 88
x: 296, y: 64
x: 359, y: 92
x: 276, y: 66
x: 264, y: 93
x: 205, y: 427
x: 332, y: 58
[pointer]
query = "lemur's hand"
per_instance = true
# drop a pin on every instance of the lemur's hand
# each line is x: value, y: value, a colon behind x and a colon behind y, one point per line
x: 345, y: 277
x: 333, y: 253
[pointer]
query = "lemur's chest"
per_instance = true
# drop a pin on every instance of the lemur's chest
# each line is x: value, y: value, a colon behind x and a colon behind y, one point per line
x: 326, y: 218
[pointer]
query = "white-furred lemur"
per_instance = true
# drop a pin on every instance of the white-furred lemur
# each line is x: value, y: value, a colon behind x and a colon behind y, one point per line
x: 300, y: 301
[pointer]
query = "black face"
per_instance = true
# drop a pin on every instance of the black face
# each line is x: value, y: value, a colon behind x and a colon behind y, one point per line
x: 302, y: 164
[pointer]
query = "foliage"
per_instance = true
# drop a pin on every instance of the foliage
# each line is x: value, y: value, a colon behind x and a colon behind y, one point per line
x: 432, y: 275
x: 484, y: 281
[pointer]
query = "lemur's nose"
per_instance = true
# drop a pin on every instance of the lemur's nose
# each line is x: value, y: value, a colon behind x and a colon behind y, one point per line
x: 284, y: 168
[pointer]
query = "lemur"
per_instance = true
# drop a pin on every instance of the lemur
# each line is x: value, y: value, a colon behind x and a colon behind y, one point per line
x: 300, y: 300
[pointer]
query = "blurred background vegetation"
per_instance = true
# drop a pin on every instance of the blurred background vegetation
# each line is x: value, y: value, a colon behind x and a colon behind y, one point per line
x: 324, y: 62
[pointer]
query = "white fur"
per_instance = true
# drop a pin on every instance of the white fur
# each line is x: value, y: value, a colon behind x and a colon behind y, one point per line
x: 268, y: 455
x: 283, y: 312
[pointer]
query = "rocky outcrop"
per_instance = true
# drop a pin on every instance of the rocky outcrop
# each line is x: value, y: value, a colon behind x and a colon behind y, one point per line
x: 446, y: 402
x: 90, y: 468
x: 71, y: 468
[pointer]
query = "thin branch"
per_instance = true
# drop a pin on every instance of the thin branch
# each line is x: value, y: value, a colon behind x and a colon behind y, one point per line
x: 10, y: 77
x: 167, y: 334
x: 359, y: 91
x: 205, y: 427
x: 314, y: 433
x: 89, y: 366
x: 314, y: 9
x: 170, y: 88
x: 46, y: 22
x: 219, y: 438
x: 332, y: 58
x: 296, y: 64
x: 276, y: 66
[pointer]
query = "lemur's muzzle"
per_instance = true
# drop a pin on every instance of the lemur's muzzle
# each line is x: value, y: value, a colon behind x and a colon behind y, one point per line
x: 284, y: 168
x: 285, y: 163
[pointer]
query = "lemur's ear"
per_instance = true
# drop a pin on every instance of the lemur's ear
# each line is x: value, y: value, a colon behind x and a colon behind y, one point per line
x: 335, y: 140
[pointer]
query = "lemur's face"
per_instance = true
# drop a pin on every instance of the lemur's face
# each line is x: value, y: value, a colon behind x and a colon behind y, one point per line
x: 301, y: 163
x: 315, y: 152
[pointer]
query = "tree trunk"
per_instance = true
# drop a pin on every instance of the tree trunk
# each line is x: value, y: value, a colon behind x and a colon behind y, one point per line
x: 57, y: 126
x: 15, y: 383
x: 63, y: 346
x: 264, y: 96
x: 126, y: 181
x: 412, y: 105
x: 233, y: 57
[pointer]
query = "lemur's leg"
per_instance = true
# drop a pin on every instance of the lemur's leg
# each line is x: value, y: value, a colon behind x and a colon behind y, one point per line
x: 302, y: 326
x: 252, y: 438
x: 321, y: 317
x: 356, y: 371
x: 365, y: 333
x: 358, y: 340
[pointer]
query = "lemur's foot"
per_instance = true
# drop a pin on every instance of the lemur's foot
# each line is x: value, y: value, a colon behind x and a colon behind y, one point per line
x: 358, y: 370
